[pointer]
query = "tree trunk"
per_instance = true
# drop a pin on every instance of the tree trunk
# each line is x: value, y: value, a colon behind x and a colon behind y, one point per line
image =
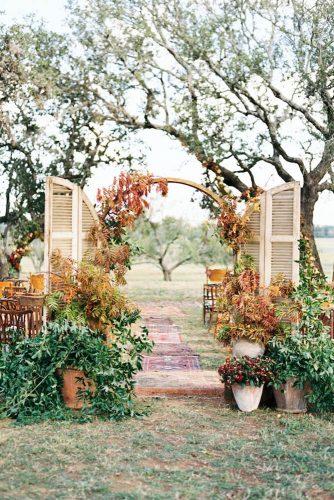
x: 4, y: 266
x: 167, y: 274
x: 309, y: 197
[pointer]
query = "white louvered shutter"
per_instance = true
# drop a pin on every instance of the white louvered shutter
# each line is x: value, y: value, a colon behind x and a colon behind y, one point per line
x: 282, y: 232
x: 275, y: 233
x: 69, y: 215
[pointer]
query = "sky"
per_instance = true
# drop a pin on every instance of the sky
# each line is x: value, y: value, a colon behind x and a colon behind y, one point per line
x: 165, y: 157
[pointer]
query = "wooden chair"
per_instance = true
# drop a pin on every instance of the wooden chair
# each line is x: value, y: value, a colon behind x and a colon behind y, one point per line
x: 15, y: 320
x: 33, y: 303
x: 27, y: 302
x: 9, y: 304
x: 13, y: 291
x: 4, y: 285
x: 210, y: 295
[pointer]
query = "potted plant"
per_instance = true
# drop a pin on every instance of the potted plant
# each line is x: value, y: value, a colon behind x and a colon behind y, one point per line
x: 303, y: 371
x: 32, y: 381
x: 249, y: 316
x: 290, y: 372
x: 246, y: 376
x: 85, y: 295
x: 304, y: 359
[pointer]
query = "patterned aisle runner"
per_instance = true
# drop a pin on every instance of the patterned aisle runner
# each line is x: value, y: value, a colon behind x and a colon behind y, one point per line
x: 169, y: 352
x: 173, y: 369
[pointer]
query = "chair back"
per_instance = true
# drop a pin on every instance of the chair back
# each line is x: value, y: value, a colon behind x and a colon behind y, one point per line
x: 13, y: 291
x: 9, y: 304
x: 3, y: 285
x: 33, y: 303
x: 37, y: 283
x: 215, y: 275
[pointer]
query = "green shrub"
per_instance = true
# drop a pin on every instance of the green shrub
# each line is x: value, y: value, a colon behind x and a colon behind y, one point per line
x: 309, y: 359
x: 30, y: 386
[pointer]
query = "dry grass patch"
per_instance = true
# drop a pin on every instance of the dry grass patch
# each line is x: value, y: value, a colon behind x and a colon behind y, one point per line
x: 191, y: 448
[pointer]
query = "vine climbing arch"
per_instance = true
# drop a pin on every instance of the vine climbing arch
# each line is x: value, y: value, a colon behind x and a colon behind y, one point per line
x: 274, y: 227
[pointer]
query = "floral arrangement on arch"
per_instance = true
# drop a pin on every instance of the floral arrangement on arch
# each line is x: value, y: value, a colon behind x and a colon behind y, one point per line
x: 120, y: 205
x: 233, y: 227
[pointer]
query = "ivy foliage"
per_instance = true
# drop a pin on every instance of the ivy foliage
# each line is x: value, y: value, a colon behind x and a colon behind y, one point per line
x: 30, y: 380
x: 313, y: 294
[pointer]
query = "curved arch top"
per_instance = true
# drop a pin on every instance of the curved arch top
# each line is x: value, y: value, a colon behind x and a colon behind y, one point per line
x: 195, y: 185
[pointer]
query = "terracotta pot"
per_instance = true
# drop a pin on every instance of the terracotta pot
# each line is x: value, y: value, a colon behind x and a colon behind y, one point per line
x: 106, y: 329
x: 247, y: 397
x: 71, y: 385
x: 243, y: 347
x: 290, y: 399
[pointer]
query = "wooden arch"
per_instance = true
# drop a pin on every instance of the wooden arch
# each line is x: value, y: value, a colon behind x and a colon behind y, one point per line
x: 275, y: 228
x: 198, y: 187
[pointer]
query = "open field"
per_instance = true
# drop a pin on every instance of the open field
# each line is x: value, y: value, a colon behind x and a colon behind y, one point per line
x: 181, y: 448
x: 326, y: 250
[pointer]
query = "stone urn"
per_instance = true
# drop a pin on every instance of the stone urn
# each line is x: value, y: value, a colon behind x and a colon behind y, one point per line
x: 247, y: 397
x: 244, y: 347
x: 290, y: 399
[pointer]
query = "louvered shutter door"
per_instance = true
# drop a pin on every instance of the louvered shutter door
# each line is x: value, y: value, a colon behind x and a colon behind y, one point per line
x: 282, y: 232
x: 69, y: 215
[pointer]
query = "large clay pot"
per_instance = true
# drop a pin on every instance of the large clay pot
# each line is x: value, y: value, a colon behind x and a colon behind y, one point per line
x: 247, y: 397
x: 290, y: 399
x: 71, y: 385
x: 243, y: 347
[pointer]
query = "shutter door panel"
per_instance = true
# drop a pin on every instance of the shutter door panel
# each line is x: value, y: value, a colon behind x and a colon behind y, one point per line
x: 282, y: 232
x: 69, y: 216
x: 275, y: 233
x: 62, y: 220
x: 64, y: 245
x: 281, y: 258
x: 253, y: 249
x: 60, y: 208
x: 282, y: 213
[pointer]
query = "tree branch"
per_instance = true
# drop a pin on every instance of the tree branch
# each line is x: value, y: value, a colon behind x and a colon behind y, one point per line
x: 298, y: 107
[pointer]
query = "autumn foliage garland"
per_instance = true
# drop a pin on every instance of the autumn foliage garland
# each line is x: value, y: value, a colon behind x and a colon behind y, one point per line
x: 120, y: 205
x: 124, y: 201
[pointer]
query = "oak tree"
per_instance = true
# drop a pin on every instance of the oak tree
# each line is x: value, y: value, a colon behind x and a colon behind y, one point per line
x: 246, y: 86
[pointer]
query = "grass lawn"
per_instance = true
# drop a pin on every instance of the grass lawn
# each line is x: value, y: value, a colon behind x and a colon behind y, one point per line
x: 180, y: 449
x: 183, y: 449
x: 326, y: 251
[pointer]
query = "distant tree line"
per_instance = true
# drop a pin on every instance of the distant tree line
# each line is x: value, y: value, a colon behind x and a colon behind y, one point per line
x: 172, y: 242
x: 324, y: 231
